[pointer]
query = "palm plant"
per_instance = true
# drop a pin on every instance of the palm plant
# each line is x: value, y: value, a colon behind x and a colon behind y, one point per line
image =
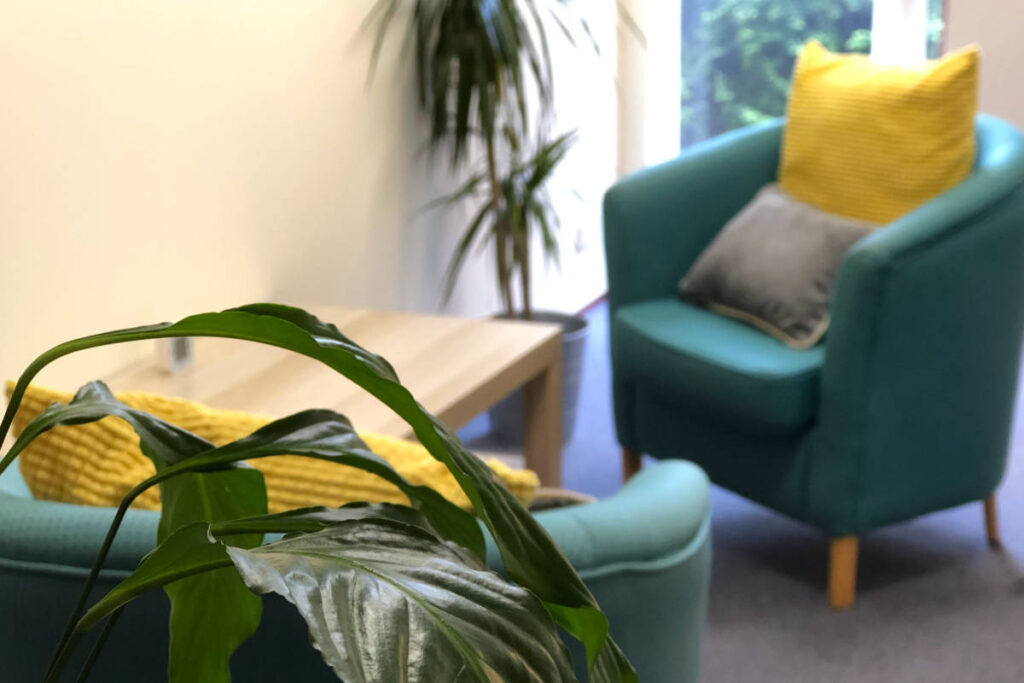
x: 524, y: 210
x: 477, y: 62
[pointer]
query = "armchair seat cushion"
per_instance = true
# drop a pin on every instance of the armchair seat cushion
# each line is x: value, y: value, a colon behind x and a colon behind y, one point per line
x: 731, y: 371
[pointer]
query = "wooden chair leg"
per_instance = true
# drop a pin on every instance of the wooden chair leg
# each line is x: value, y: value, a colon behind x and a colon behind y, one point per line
x: 992, y: 521
x: 842, y: 572
x: 631, y: 463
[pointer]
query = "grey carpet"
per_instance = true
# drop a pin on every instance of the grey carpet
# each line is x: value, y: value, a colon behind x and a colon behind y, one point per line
x: 934, y: 603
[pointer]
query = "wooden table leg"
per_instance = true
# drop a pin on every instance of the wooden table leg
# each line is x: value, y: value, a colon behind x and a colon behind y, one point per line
x: 543, y: 421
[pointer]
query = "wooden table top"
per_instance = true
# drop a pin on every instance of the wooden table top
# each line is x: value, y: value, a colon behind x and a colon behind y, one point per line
x: 456, y: 367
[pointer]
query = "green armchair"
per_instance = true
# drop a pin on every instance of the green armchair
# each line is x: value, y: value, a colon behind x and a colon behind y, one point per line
x: 644, y: 552
x: 903, y: 410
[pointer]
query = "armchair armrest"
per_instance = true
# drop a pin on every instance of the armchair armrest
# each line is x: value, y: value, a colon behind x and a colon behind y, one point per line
x: 923, y: 351
x: 658, y: 220
x: 41, y: 536
x: 660, y: 516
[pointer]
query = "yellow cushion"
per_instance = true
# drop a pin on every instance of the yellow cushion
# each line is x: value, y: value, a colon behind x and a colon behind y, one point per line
x: 97, y: 463
x: 874, y: 142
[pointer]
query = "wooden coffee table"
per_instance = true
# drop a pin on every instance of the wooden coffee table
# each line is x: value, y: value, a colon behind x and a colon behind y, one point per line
x: 455, y: 367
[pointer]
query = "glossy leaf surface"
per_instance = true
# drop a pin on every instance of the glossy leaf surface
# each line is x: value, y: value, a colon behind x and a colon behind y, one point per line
x: 308, y: 520
x: 386, y: 600
x: 326, y: 435
x: 189, y: 551
x: 530, y: 556
x: 162, y: 442
x: 211, y: 614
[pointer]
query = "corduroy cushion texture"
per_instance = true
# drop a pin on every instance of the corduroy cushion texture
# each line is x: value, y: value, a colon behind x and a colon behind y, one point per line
x: 873, y: 141
x: 97, y: 463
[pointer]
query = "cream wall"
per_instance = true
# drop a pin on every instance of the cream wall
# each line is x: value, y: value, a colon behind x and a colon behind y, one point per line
x: 161, y: 157
x: 995, y: 26
x: 650, y: 81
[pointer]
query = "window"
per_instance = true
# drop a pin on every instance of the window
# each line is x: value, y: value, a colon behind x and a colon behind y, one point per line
x: 737, y: 55
x: 936, y: 27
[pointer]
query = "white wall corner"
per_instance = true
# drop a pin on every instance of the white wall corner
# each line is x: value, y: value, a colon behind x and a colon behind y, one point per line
x: 899, y: 31
x: 650, y: 82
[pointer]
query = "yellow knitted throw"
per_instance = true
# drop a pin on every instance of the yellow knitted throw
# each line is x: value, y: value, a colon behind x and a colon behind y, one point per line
x: 99, y: 462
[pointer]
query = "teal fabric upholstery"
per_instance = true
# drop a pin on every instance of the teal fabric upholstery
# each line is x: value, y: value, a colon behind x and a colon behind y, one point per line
x: 904, y: 409
x: 645, y: 553
x: 734, y: 369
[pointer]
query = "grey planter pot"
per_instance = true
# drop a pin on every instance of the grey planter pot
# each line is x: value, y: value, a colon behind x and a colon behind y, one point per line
x: 507, y: 415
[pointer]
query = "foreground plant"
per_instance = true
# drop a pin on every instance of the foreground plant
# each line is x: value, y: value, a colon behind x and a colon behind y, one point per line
x: 437, y: 613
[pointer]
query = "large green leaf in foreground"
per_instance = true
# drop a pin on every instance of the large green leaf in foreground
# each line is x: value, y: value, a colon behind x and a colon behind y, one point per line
x: 211, y: 614
x: 189, y: 551
x: 530, y: 556
x: 385, y: 600
x: 326, y: 435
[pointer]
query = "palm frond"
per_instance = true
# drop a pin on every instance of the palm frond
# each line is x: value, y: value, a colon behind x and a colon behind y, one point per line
x: 382, y: 14
x: 454, y: 268
x: 469, y: 188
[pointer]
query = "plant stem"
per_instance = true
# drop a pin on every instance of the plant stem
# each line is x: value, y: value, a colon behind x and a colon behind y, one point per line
x: 59, y: 351
x: 500, y: 229
x: 57, y: 665
x: 98, y: 647
x: 64, y: 646
x: 524, y: 272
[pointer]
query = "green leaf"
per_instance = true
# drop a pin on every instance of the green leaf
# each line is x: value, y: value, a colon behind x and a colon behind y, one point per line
x: 202, y: 639
x: 462, y: 249
x: 195, y: 567
x: 164, y: 443
x: 612, y: 665
x: 187, y: 552
x: 212, y: 613
x: 210, y: 487
x: 318, y: 518
x: 468, y: 189
x: 465, y: 56
x: 530, y: 556
x: 212, y: 497
x: 384, y: 596
x: 325, y: 435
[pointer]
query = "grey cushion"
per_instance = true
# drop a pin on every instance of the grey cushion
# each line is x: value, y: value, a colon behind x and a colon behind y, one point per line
x: 774, y: 265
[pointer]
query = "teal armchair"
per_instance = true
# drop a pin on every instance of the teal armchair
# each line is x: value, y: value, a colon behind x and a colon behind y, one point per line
x: 644, y: 552
x: 906, y: 406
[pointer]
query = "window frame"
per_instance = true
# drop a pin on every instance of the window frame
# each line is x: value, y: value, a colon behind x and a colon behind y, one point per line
x: 650, y: 71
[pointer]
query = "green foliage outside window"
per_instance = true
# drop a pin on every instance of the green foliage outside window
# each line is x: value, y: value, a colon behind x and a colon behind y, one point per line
x: 738, y: 55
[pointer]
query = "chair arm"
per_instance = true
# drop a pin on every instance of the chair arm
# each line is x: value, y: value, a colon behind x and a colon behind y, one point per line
x: 658, y: 220
x: 660, y: 511
x: 645, y: 553
x: 922, y: 355
x: 49, y: 536
x: 659, y: 516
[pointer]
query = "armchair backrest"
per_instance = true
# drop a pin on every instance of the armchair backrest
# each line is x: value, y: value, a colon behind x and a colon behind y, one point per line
x: 657, y: 221
x: 923, y: 352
